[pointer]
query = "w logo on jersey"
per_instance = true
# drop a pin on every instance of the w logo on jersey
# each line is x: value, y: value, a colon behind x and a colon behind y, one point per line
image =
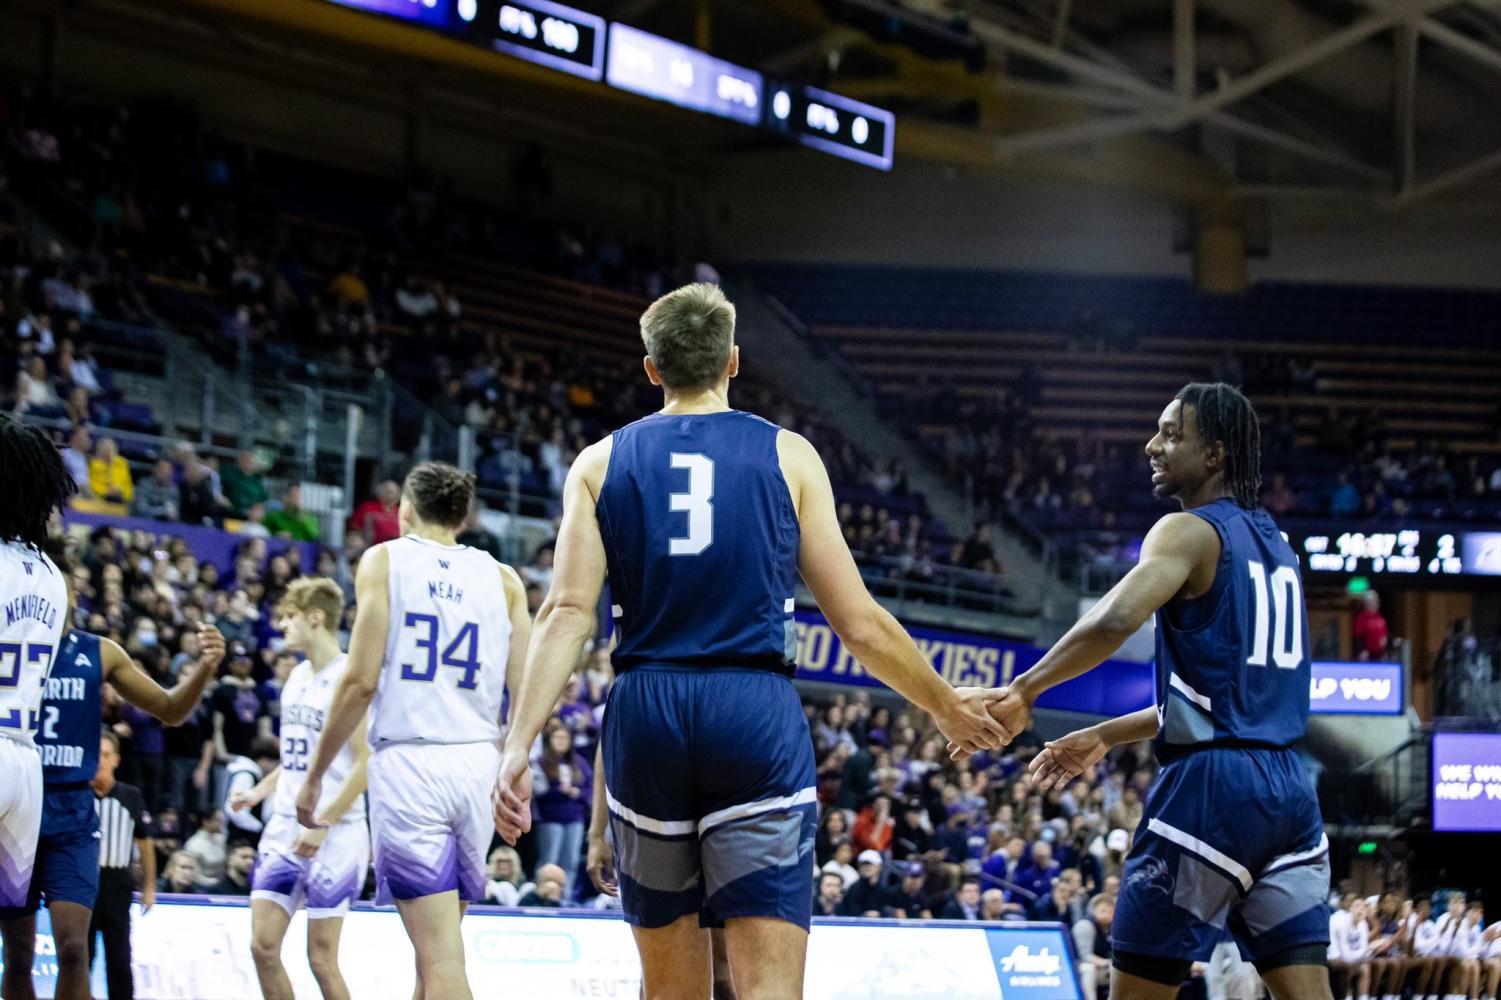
x: 443, y: 563
x: 28, y: 568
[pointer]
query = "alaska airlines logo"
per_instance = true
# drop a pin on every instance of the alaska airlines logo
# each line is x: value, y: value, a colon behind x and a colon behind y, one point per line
x: 1021, y: 960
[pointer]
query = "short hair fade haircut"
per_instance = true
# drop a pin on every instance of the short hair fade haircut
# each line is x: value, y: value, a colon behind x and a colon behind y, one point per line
x: 688, y: 335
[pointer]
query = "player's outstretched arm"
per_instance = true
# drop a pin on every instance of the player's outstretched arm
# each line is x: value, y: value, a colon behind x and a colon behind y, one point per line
x: 172, y: 705
x: 1067, y: 757
x: 1173, y: 549
x: 367, y: 647
x: 868, y: 630
x: 564, y: 622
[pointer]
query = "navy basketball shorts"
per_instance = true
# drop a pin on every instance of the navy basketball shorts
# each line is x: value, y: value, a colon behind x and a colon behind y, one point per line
x: 67, y: 854
x: 1230, y: 840
x: 712, y: 794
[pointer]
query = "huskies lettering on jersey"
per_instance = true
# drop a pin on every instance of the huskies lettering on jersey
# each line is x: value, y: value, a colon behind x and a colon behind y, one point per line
x: 31, y: 606
x: 66, y: 689
x: 302, y: 715
x: 442, y: 590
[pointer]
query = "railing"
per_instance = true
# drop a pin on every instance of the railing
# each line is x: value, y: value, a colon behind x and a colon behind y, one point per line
x: 1391, y: 789
x: 951, y: 586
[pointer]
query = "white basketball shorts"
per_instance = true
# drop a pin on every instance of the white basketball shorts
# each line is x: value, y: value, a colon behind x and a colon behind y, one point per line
x: 430, y: 818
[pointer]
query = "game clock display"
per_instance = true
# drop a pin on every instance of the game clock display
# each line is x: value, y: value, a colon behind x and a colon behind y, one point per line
x: 1405, y: 552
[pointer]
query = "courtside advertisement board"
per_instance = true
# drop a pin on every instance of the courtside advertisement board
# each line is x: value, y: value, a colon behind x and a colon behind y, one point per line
x: 195, y: 948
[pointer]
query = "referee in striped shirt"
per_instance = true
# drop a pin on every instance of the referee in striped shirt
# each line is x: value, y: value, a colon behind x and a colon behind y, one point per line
x: 122, y: 827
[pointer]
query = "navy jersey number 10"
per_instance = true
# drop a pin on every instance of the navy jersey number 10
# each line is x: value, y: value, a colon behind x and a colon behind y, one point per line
x: 465, y: 659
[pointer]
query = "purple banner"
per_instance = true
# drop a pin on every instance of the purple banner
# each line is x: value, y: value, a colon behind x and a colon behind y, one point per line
x: 1467, y: 782
x: 1115, y: 687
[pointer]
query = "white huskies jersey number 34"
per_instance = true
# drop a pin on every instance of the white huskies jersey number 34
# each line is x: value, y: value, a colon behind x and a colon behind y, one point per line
x: 443, y: 678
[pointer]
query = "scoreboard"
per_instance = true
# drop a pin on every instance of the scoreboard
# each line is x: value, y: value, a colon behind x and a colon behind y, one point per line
x: 626, y: 58
x: 1404, y: 552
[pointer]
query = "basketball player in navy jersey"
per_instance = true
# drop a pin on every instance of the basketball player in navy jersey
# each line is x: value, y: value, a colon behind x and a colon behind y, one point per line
x: 704, y: 517
x: 67, y: 852
x: 1231, y: 836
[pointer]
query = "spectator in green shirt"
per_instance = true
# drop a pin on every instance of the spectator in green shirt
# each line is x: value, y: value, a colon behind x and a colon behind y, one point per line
x: 290, y: 520
x: 244, y: 486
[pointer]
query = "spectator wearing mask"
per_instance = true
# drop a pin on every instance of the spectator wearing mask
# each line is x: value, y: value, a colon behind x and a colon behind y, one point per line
x: 548, y: 892
x: 966, y: 902
x: 158, y: 496
x: 829, y: 900
x: 1370, y: 628
x: 1092, y: 945
x: 109, y: 475
x: 868, y: 897
x: 909, y: 901
x: 237, y: 869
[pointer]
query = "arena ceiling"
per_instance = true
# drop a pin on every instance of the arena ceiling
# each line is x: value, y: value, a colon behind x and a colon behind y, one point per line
x: 1386, y: 102
x: 1383, y: 103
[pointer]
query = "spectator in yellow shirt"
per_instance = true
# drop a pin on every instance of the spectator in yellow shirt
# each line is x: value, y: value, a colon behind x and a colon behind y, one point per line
x: 109, y: 476
x: 348, y: 287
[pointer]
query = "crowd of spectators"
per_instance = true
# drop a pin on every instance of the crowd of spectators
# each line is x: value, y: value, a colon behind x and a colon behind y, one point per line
x: 153, y: 191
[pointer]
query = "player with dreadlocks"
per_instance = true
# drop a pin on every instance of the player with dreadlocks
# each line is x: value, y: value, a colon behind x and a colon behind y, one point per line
x: 33, y: 616
x: 1231, y: 838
